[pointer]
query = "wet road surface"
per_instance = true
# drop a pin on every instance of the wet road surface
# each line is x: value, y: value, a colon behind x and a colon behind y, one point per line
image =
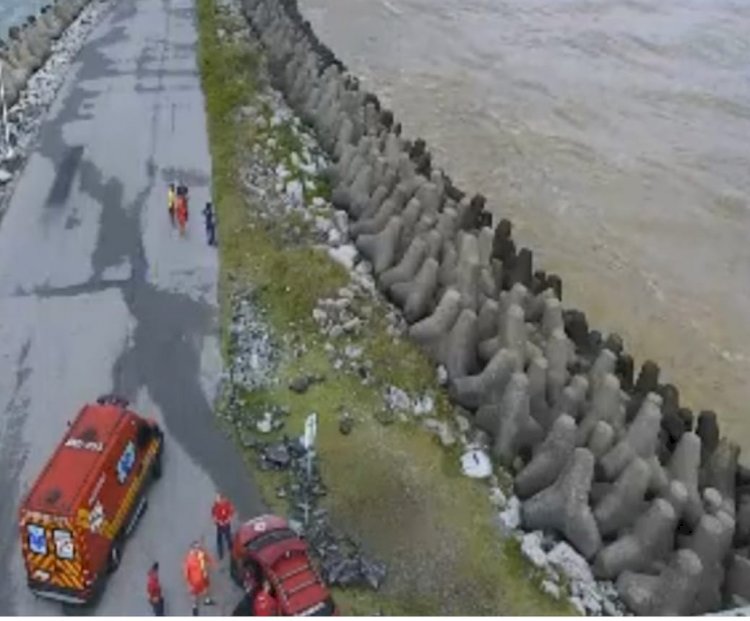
x: 99, y: 294
x: 615, y: 135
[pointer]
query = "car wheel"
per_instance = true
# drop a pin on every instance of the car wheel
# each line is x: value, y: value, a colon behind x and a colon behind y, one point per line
x: 115, y: 555
x: 156, y: 467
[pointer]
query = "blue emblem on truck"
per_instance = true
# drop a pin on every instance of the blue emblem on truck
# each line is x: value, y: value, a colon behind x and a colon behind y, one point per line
x: 126, y: 463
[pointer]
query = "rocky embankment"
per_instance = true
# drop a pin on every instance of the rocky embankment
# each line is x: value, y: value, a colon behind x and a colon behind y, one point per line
x: 607, y: 464
x: 34, y: 60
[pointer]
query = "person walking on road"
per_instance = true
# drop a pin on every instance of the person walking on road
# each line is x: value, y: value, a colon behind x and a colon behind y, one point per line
x: 171, y: 196
x: 153, y: 590
x: 265, y: 604
x: 196, y: 573
x: 210, y: 219
x: 222, y: 512
x: 181, y: 209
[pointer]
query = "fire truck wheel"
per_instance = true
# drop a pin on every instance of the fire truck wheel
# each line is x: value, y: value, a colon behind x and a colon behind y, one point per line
x: 115, y: 555
x: 156, y: 467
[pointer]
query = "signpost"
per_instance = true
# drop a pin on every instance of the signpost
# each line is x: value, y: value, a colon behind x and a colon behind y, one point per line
x: 308, y: 441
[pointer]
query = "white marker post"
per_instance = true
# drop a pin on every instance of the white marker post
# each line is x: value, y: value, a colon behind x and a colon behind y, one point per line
x: 308, y: 441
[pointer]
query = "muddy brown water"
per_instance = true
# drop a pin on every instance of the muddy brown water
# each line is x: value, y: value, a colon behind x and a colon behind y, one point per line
x: 616, y: 136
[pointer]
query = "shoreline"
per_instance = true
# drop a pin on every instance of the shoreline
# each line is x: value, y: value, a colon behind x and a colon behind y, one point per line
x: 621, y: 439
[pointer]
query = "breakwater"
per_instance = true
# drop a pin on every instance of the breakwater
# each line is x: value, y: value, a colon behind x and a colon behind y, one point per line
x: 30, y: 45
x: 604, y: 457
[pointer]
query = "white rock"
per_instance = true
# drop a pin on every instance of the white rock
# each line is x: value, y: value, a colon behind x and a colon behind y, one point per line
x: 578, y: 605
x: 462, y: 423
x: 397, y: 399
x: 353, y: 352
x: 344, y: 255
x: 442, y: 375
x: 497, y: 498
x: 423, y: 405
x: 510, y: 517
x: 295, y: 191
x: 441, y: 429
x: 551, y: 589
x: 341, y: 220
x: 531, y: 548
x: 266, y: 424
x: 319, y: 315
x: 570, y: 563
x: 5, y: 176
x: 322, y: 224
x: 317, y: 201
x: 334, y: 237
x: 282, y: 172
x: 476, y: 464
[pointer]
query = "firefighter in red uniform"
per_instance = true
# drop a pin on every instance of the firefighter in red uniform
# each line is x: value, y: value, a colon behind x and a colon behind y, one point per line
x: 222, y: 512
x: 195, y: 571
x: 265, y: 604
x: 153, y: 590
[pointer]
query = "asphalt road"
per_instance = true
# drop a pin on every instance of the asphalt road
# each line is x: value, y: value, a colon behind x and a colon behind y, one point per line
x: 99, y: 294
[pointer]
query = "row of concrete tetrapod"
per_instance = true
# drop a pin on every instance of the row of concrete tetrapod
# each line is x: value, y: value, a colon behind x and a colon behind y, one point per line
x: 602, y: 456
x: 29, y: 45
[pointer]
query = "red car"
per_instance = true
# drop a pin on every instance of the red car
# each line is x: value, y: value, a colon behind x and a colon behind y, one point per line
x: 266, y: 548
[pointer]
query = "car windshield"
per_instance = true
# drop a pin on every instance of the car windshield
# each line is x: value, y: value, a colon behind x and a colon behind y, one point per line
x: 269, y: 538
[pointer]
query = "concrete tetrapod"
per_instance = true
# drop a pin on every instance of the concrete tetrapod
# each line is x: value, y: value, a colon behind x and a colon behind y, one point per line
x: 488, y: 319
x: 711, y: 541
x: 650, y: 541
x: 380, y: 249
x: 407, y: 267
x: 684, y: 466
x: 514, y: 429
x: 549, y: 459
x: 671, y: 593
x: 605, y: 405
x: 640, y: 440
x: 604, y: 365
x: 601, y: 439
x: 557, y: 353
x: 624, y: 503
x: 430, y: 332
x: 458, y: 351
x: 572, y: 399
x: 738, y: 577
x: 415, y: 296
x: 564, y: 507
x: 540, y: 409
x: 720, y: 472
x: 487, y: 387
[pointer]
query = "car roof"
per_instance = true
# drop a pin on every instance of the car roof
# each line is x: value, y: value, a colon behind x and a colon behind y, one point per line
x: 297, y: 582
x: 75, y: 460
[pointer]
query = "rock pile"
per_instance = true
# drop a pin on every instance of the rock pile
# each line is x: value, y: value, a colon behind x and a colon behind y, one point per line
x: 255, y: 356
x: 605, y: 458
x: 342, y: 562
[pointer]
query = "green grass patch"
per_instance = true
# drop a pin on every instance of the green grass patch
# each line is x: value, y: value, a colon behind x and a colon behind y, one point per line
x: 393, y: 487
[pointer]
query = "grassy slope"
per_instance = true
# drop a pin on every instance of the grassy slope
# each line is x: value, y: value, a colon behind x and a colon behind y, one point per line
x: 393, y: 487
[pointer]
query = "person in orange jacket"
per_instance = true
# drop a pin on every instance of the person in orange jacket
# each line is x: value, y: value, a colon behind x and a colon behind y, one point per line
x: 181, y: 211
x: 196, y: 573
x: 222, y: 512
x: 265, y: 604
